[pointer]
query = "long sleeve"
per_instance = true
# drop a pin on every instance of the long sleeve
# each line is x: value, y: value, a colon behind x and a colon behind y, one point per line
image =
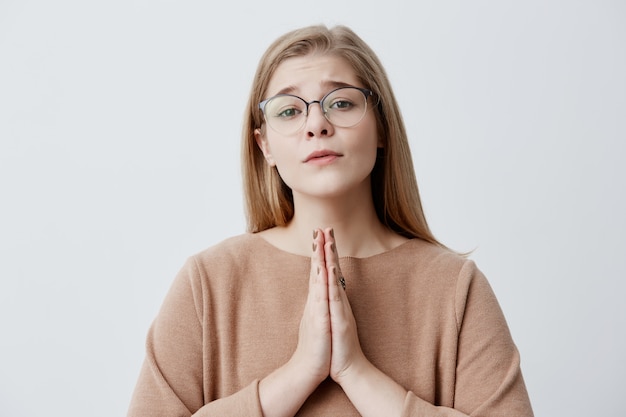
x: 172, y: 378
x: 489, y: 380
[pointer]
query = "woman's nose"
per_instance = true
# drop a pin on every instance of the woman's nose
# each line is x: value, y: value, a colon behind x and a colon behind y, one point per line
x: 317, y: 125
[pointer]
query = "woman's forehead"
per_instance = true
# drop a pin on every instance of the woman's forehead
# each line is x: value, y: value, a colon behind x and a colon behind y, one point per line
x: 313, y: 74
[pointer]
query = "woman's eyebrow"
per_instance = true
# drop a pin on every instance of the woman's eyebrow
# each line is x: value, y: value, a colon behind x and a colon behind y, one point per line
x: 328, y: 84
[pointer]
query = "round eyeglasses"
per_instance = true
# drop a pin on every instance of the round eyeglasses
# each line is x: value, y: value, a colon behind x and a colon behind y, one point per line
x: 343, y: 107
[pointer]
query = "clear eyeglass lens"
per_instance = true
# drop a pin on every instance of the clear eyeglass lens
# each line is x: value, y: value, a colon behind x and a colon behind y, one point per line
x: 344, y: 107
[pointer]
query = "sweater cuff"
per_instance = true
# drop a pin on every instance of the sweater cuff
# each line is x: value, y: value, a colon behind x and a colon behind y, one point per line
x: 415, y: 406
x: 242, y: 403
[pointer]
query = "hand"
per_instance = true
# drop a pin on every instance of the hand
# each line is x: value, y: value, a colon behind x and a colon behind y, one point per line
x: 371, y: 391
x: 345, y: 346
x: 313, y: 352
x: 328, y: 342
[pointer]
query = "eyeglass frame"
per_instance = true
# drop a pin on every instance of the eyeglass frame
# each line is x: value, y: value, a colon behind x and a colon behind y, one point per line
x: 367, y: 93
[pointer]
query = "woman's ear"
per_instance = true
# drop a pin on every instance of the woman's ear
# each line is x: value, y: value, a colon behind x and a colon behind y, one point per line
x: 261, y: 141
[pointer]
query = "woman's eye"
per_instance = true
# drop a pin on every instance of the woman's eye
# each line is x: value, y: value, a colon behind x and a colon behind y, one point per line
x: 288, y: 112
x: 341, y: 104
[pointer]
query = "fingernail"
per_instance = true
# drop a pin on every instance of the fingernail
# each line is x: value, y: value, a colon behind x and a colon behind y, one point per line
x: 332, y: 246
x: 314, y: 234
x: 314, y: 246
x: 332, y: 233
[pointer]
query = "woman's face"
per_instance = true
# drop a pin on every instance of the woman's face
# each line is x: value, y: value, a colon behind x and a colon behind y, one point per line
x: 320, y: 160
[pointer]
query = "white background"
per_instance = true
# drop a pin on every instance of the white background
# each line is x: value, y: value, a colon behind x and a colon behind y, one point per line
x: 119, y: 157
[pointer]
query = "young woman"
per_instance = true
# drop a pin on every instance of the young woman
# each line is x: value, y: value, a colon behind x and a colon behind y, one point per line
x: 338, y: 301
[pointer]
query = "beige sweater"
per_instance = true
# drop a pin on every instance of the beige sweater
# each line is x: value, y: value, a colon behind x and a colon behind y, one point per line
x: 426, y: 317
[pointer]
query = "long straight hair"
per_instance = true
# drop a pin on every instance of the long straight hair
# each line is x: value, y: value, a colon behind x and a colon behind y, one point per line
x: 269, y: 201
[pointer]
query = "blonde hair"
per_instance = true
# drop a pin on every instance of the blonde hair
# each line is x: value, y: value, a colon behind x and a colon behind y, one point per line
x: 269, y: 201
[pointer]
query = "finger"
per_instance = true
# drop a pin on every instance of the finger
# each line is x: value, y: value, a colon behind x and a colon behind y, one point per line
x: 318, y: 287
x: 336, y: 280
x: 330, y: 248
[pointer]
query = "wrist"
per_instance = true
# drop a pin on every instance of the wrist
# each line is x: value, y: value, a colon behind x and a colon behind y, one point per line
x: 288, y: 378
x: 371, y: 391
x: 357, y: 370
x: 304, y: 375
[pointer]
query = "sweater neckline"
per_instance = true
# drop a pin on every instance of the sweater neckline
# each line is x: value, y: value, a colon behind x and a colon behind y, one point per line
x: 391, y: 251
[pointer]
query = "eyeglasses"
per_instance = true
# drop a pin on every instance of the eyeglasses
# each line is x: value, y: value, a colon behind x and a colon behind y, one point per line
x: 343, y: 107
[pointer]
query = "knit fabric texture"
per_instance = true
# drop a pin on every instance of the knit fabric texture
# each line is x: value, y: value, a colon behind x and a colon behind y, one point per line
x: 426, y: 317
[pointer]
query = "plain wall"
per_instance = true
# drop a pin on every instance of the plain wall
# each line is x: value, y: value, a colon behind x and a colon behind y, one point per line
x: 119, y: 157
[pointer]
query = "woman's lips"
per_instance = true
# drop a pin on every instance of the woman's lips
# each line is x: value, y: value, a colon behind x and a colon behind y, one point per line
x: 323, y: 160
x: 322, y: 157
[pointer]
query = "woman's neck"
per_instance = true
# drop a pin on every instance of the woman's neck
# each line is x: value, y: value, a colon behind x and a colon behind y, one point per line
x: 357, y: 230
